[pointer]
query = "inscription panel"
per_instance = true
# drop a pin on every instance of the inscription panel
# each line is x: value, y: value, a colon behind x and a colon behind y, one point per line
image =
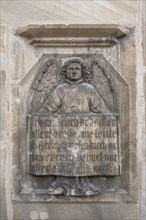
x: 73, y: 145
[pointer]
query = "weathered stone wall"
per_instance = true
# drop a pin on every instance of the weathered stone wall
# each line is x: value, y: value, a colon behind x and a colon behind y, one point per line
x: 144, y: 130
x: 18, y: 58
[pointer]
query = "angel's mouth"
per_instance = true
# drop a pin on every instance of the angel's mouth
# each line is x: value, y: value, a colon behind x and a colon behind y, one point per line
x: 74, y: 74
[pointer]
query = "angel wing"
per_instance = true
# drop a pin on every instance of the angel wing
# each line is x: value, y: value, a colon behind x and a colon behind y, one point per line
x: 45, y: 81
x: 101, y: 81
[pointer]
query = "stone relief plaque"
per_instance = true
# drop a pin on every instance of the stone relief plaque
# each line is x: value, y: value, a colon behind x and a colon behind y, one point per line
x: 73, y: 126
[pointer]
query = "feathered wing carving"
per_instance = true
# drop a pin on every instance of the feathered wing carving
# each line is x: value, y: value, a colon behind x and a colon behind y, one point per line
x: 101, y: 81
x: 45, y: 81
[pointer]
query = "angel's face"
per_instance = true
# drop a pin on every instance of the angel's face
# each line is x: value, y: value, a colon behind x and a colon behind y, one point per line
x: 74, y: 71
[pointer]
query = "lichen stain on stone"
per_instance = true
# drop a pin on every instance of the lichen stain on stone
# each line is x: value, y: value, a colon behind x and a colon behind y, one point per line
x: 74, y: 151
x: 44, y: 216
x: 34, y: 215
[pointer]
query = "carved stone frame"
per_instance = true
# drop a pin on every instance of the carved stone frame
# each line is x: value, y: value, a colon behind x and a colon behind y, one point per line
x: 124, y: 85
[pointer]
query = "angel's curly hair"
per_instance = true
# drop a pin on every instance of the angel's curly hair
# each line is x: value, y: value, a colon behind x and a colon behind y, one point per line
x: 85, y: 72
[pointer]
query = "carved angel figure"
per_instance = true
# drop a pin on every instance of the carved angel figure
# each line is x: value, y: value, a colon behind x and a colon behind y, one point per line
x: 74, y: 94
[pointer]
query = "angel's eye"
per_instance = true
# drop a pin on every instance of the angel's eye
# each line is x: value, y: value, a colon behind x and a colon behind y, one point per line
x: 71, y: 69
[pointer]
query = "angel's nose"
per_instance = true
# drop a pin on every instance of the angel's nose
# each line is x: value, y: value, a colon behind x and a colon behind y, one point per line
x: 74, y: 70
